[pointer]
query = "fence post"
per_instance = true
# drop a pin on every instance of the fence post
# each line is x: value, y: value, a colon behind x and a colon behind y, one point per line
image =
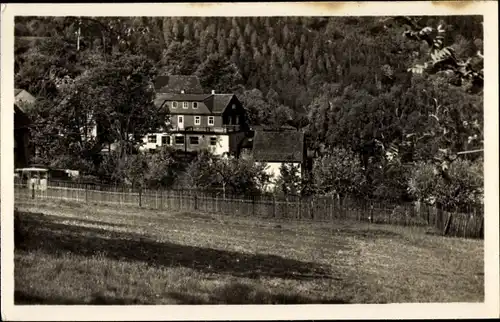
x: 161, y: 198
x: 195, y: 201
x: 439, y: 218
x: 312, y: 208
x: 253, y: 205
x: 297, y: 204
x: 330, y: 208
x: 32, y: 190
x: 309, y: 207
x: 140, y: 197
x: 448, y: 224
x: 467, y: 218
x: 216, y: 202
x: 86, y: 194
x: 274, y: 206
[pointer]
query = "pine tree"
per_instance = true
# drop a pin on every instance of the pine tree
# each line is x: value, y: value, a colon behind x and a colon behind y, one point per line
x: 254, y: 39
x: 235, y: 56
x: 222, y: 48
x: 320, y: 65
x: 176, y: 30
x: 297, y: 55
x: 219, y: 74
x: 233, y: 38
x: 248, y: 30
x: 210, y: 47
x: 187, y: 32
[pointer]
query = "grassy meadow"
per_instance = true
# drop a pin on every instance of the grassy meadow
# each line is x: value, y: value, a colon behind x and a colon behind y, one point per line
x: 82, y: 254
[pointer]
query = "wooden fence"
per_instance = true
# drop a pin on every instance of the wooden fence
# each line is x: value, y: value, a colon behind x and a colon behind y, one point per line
x: 315, y: 208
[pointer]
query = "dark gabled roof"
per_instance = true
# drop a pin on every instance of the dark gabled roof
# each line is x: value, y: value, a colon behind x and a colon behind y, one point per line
x: 189, y: 97
x: 278, y: 146
x: 216, y: 103
x: 178, y: 83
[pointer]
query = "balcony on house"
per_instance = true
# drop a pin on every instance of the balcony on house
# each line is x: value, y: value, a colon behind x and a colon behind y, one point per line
x: 211, y: 129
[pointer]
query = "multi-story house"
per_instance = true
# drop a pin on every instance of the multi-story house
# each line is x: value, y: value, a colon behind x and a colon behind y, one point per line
x: 214, y: 122
x: 197, y: 121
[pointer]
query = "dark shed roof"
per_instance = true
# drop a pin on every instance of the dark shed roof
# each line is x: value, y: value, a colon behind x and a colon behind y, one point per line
x: 161, y: 98
x: 22, y: 96
x: 220, y: 102
x: 278, y: 146
x: 178, y: 83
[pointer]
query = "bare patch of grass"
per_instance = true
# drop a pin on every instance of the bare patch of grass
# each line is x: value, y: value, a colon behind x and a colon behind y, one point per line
x: 100, y: 255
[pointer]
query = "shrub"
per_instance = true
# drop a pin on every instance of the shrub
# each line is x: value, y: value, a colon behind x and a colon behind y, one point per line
x: 461, y: 189
x: 338, y: 172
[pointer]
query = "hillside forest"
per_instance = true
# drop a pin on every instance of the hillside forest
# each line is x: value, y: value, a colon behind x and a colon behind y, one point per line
x: 391, y: 106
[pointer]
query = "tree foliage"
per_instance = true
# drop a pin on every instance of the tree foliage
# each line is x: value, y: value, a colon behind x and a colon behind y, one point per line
x: 463, y: 191
x: 217, y: 73
x: 116, y: 97
x: 140, y: 170
x: 234, y: 176
x: 445, y: 59
x: 289, y: 181
x: 339, y: 173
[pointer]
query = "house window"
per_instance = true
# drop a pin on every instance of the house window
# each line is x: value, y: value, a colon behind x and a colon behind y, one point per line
x: 234, y: 106
x: 213, y: 141
x: 165, y: 140
x: 174, y: 104
x: 179, y: 140
x: 194, y: 140
x: 210, y: 120
x: 185, y: 105
x: 151, y: 138
x: 152, y: 150
x: 197, y: 120
x: 236, y: 120
x: 195, y: 104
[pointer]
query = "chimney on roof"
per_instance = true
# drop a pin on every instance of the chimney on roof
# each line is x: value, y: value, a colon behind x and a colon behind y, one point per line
x: 182, y: 91
x: 213, y: 91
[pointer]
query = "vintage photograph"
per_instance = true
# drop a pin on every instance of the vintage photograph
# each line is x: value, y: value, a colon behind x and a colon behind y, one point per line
x: 248, y: 160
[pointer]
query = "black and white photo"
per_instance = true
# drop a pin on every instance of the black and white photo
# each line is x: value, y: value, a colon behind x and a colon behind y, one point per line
x: 249, y: 159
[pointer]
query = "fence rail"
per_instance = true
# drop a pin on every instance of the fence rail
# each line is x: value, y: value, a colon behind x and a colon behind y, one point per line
x: 291, y: 208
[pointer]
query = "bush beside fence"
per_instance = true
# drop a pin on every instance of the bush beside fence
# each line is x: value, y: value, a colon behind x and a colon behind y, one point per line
x: 316, y: 208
